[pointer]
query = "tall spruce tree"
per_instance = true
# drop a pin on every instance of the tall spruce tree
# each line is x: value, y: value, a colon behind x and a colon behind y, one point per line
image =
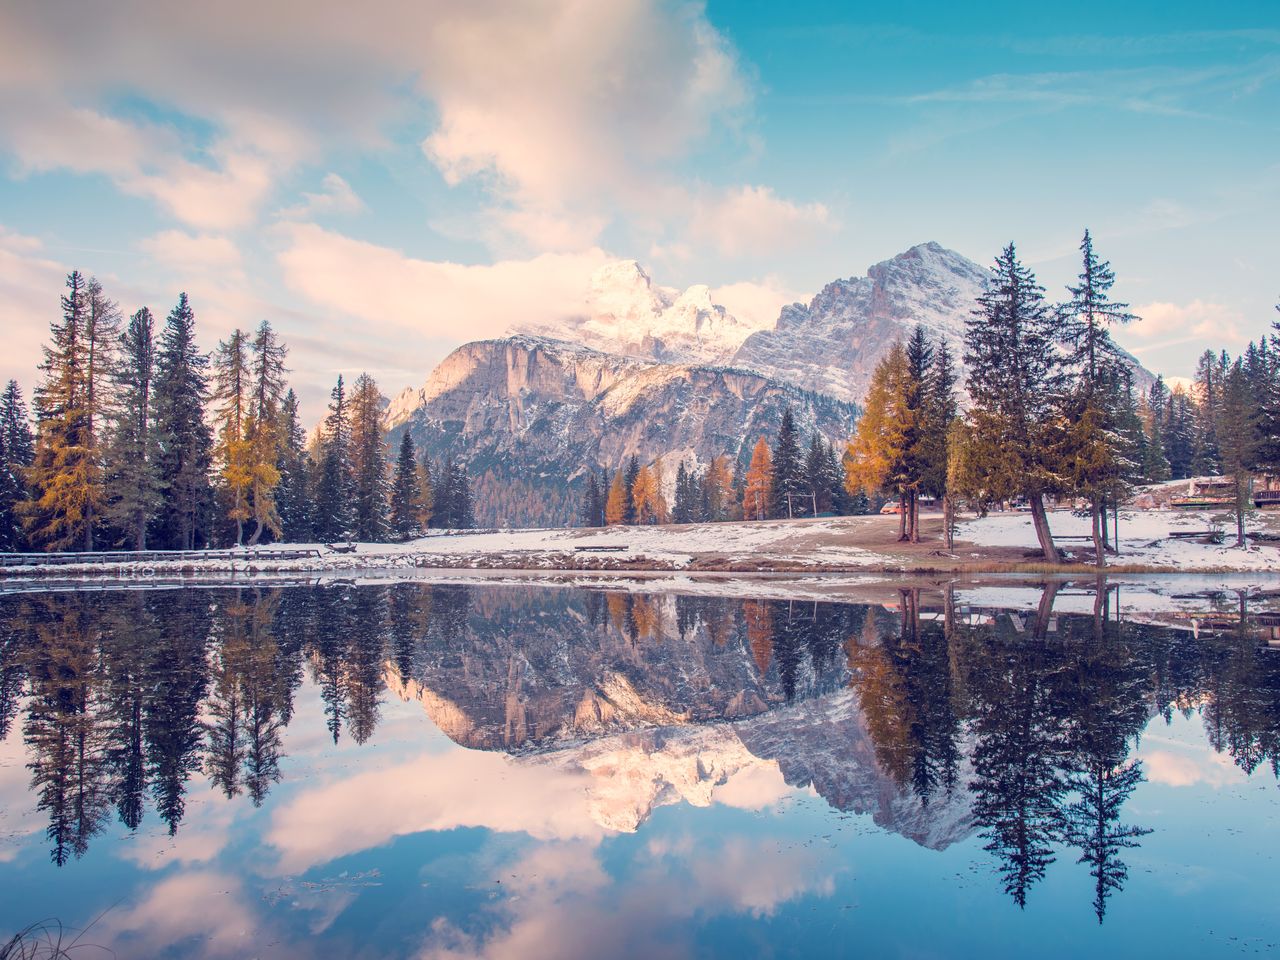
x: 404, y: 491
x: 293, y: 503
x: 425, y: 498
x: 332, y: 517
x: 231, y: 394
x: 1237, y: 441
x: 629, y: 483
x: 368, y: 461
x: 134, y: 493
x: 787, y: 482
x: 264, y: 431
x: 184, y: 442
x: 1099, y: 448
x: 17, y: 447
x: 592, y: 503
x: 1016, y: 384
x: 65, y: 479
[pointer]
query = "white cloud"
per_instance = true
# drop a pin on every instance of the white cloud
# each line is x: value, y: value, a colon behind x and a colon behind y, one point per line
x: 30, y: 284
x: 564, y: 110
x: 1167, y: 324
x: 186, y: 252
x: 335, y: 196
x: 757, y: 302
x: 401, y: 294
x: 754, y: 221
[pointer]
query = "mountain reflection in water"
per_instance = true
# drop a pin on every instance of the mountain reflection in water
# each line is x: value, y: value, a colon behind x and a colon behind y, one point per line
x: 938, y: 717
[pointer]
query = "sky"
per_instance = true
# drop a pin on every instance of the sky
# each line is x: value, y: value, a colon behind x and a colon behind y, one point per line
x: 387, y: 180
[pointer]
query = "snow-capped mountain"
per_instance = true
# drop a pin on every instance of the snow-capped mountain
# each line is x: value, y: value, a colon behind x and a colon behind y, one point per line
x: 832, y: 344
x: 531, y: 415
x: 625, y: 312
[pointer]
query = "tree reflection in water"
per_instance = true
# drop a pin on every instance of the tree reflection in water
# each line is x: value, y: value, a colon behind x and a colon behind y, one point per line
x: 123, y: 696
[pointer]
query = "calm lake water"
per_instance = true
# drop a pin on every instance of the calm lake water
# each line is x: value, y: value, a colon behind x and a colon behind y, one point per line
x: 414, y: 770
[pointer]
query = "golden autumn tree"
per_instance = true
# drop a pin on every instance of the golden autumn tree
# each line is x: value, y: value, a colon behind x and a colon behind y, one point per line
x: 759, y: 488
x: 718, y: 484
x: 875, y: 459
x: 615, y: 508
x: 646, y: 495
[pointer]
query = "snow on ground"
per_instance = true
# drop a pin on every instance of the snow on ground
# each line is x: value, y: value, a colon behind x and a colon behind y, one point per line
x: 1144, y: 538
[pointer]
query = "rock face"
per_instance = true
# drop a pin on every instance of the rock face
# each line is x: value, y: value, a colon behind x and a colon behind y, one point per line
x: 832, y: 345
x: 531, y: 415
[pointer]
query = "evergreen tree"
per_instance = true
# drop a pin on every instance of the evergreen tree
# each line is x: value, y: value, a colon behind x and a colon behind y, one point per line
x: 629, y: 481
x: 184, y: 443
x: 65, y: 479
x: 941, y: 410
x: 787, y: 481
x: 1211, y: 371
x: 686, y: 496
x: 1178, y: 433
x: 1155, y: 465
x: 404, y: 491
x: 1236, y: 441
x: 265, y: 431
x: 594, y: 505
x: 616, y: 504
x: 368, y: 461
x: 757, y: 494
x: 133, y: 482
x: 292, y: 463
x: 1016, y: 384
x: 817, y: 487
x: 17, y: 447
x: 331, y: 503
x: 231, y: 377
x: 424, y: 495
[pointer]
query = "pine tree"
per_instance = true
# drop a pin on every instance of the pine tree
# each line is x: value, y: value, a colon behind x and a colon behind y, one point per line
x: 17, y: 448
x: 404, y: 491
x: 1236, y: 441
x: 629, y: 480
x: 368, y: 461
x: 757, y: 495
x: 231, y: 393
x: 424, y: 495
x: 1178, y: 434
x: 615, y: 510
x: 940, y: 412
x: 331, y: 502
x: 133, y: 482
x: 1016, y: 384
x: 1211, y: 371
x: 877, y: 457
x: 816, y: 486
x: 265, y: 432
x: 686, y: 496
x: 1155, y: 465
x: 292, y: 498
x: 590, y: 501
x: 184, y: 442
x: 787, y: 482
x: 64, y: 478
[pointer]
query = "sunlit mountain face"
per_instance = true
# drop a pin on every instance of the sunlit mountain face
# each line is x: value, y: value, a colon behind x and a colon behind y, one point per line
x: 415, y: 769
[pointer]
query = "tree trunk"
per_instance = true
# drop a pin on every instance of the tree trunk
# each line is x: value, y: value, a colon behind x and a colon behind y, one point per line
x: 1099, y: 521
x: 257, y: 533
x: 948, y: 522
x: 1044, y: 612
x: 1043, y: 534
x: 902, y: 516
x: 949, y: 610
x: 915, y: 517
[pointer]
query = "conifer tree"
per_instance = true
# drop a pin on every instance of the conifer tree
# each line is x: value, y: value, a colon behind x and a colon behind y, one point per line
x: 17, y: 447
x: 940, y: 412
x: 787, y: 482
x: 64, y: 477
x: 646, y: 496
x: 816, y: 486
x: 424, y: 496
x: 615, y: 511
x: 231, y: 377
x: 591, y: 502
x: 265, y: 431
x: 1236, y: 441
x: 133, y: 481
x: 368, y: 461
x: 1178, y: 433
x: 1016, y: 383
x: 184, y: 442
x: 332, y: 517
x: 1211, y: 371
x: 404, y: 491
x: 629, y: 479
x: 1155, y: 465
x: 292, y: 463
x: 757, y: 494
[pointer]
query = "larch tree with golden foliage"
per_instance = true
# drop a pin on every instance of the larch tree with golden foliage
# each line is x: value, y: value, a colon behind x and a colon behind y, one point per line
x: 615, y: 508
x: 876, y: 457
x: 757, y: 495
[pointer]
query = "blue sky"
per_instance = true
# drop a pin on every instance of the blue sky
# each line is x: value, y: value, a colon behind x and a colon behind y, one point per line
x: 386, y: 183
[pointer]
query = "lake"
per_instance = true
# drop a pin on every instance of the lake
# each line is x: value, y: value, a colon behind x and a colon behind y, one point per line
x: 452, y: 769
